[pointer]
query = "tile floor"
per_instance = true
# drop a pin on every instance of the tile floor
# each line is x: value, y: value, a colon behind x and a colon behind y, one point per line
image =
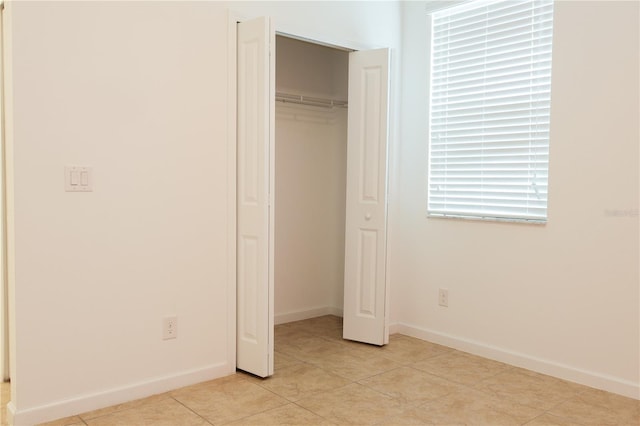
x: 321, y: 379
x: 4, y: 400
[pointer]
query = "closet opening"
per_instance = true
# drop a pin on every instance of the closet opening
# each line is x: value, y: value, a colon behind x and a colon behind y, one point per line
x: 310, y: 179
x: 311, y: 190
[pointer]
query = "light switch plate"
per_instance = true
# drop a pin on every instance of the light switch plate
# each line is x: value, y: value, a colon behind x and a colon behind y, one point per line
x: 78, y: 179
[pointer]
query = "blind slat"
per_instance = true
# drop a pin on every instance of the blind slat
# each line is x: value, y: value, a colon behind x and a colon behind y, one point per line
x: 510, y: 44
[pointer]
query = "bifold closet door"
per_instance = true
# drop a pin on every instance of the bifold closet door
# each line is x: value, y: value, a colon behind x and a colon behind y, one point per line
x: 255, y: 121
x: 365, y: 293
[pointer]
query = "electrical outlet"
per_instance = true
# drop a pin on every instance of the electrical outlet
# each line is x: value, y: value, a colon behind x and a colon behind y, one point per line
x: 169, y: 328
x: 443, y: 297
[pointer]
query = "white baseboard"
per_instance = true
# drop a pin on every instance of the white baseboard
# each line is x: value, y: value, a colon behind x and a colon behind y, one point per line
x: 95, y: 401
x: 306, y: 314
x: 588, y: 378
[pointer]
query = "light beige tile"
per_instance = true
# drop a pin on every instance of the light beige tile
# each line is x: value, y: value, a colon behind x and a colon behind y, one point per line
x: 284, y: 334
x: 608, y: 399
x: 124, y: 406
x: 326, y: 322
x: 411, y: 386
x: 246, y: 376
x: 166, y: 412
x: 461, y: 367
x: 529, y: 388
x: 352, y: 364
x: 318, y: 324
x: 366, y: 348
x: 281, y: 361
x: 289, y: 414
x: 228, y: 399
x: 305, y: 346
x: 551, y: 420
x: 596, y: 407
x: 402, y: 349
x: 353, y: 404
x: 407, y: 349
x: 327, y: 326
x: 302, y: 380
x: 332, y: 334
x: 5, y: 397
x: 411, y: 416
x: 471, y: 407
x: 5, y: 392
x: 67, y: 421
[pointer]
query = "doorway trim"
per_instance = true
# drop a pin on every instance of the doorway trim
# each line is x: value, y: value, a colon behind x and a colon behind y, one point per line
x: 5, y: 324
x: 232, y: 157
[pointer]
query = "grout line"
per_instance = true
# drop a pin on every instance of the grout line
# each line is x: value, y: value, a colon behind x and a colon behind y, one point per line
x: 312, y: 412
x: 124, y: 408
x: 547, y: 413
x: 190, y: 409
x: 262, y: 412
x: 359, y: 381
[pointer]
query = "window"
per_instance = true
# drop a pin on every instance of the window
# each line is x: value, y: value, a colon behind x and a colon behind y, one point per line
x: 489, y: 110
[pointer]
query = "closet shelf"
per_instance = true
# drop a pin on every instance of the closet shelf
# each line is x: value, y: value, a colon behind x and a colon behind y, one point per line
x: 310, y: 101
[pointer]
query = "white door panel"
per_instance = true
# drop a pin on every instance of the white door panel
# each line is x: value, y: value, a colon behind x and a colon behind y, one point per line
x: 366, y: 217
x: 254, y: 257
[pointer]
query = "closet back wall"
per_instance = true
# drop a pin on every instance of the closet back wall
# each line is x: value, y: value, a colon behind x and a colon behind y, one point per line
x: 310, y: 179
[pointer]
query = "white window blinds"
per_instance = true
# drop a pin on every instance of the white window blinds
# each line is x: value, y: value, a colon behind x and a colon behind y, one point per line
x: 489, y: 118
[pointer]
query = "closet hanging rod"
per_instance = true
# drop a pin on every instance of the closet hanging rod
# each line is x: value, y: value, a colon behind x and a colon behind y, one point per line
x: 310, y: 100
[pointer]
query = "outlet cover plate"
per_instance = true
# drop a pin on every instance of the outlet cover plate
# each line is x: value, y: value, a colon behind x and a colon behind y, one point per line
x: 170, y: 328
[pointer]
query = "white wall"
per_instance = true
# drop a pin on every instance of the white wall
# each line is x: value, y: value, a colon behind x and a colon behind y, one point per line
x: 310, y: 212
x: 561, y: 298
x: 311, y: 156
x: 350, y: 24
x: 138, y: 91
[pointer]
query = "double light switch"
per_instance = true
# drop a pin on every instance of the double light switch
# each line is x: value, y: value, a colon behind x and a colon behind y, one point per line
x: 78, y: 179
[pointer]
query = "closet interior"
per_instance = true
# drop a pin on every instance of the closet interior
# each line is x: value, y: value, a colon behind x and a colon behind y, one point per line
x: 310, y: 179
